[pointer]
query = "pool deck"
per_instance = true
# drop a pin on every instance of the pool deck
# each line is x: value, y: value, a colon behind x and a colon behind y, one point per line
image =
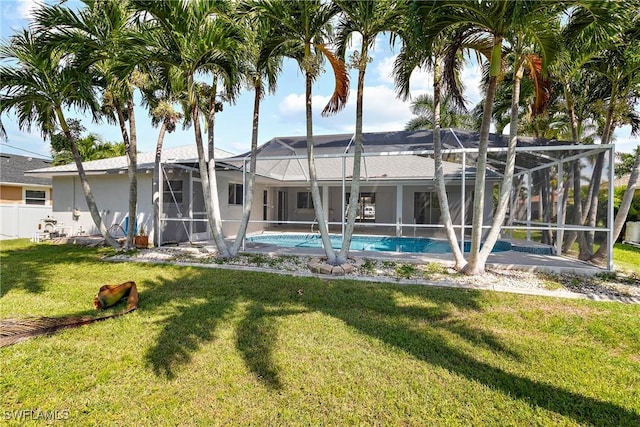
x: 515, y: 260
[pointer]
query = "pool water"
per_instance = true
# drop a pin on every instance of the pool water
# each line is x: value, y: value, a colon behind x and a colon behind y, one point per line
x: 369, y: 243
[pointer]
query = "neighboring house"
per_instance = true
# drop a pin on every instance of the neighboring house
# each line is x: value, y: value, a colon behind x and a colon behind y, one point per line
x: 16, y: 187
x: 24, y: 200
x: 397, y: 192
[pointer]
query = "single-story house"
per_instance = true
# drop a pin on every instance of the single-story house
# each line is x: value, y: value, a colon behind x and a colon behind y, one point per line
x: 397, y: 191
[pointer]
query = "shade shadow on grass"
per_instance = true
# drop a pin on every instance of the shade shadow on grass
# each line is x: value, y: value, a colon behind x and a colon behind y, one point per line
x: 257, y: 333
x: 25, y: 267
x: 371, y: 310
x: 198, y: 301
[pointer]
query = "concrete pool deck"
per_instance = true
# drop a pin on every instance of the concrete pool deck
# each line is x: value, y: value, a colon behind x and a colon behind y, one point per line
x: 512, y: 259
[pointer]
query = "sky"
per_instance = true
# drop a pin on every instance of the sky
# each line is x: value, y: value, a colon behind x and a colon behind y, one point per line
x: 281, y: 114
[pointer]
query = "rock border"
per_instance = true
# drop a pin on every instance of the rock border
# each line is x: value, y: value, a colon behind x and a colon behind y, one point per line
x: 319, y: 265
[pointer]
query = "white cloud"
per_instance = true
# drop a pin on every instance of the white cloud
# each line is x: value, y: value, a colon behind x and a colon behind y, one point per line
x: 625, y: 143
x: 382, y: 112
x: 383, y: 70
x: 471, y: 79
x: 294, y: 105
x: 27, y: 7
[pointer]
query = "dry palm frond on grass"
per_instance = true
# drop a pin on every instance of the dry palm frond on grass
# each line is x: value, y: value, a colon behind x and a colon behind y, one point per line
x: 15, y: 330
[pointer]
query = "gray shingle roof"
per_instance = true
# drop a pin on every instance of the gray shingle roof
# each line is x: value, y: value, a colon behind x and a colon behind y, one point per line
x: 13, y: 167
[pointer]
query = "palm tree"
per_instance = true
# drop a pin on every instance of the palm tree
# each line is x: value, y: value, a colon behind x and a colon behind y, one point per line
x: 185, y: 40
x: 442, y: 55
x: 305, y: 24
x: 264, y: 65
x: 498, y: 20
x: 167, y: 117
x: 451, y: 116
x: 37, y: 83
x: 589, y: 28
x: 368, y: 18
x: 101, y: 35
x: 620, y: 67
x: 90, y: 147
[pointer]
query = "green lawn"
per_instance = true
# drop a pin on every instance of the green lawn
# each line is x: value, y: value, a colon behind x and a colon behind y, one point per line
x: 221, y: 347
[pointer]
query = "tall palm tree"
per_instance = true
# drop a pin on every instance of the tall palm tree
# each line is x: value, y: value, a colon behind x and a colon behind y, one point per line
x: 101, y: 35
x: 441, y: 54
x: 186, y: 39
x: 367, y: 18
x: 305, y: 24
x: 500, y: 21
x: 165, y: 115
x: 620, y: 66
x: 589, y: 28
x: 264, y: 63
x: 37, y: 83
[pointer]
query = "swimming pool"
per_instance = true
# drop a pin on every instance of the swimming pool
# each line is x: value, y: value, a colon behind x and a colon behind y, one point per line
x: 368, y: 243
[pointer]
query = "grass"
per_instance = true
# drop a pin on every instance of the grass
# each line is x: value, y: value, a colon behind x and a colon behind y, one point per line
x: 625, y: 257
x: 221, y: 347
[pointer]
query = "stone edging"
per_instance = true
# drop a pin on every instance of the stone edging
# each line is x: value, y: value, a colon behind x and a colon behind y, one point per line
x: 319, y: 265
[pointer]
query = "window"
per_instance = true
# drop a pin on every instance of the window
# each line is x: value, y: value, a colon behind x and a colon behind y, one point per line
x: 35, y: 197
x: 426, y: 208
x: 366, y: 206
x: 172, y: 192
x: 235, y: 194
x: 305, y: 201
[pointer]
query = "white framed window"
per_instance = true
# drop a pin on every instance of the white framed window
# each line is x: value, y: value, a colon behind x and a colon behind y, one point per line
x: 35, y: 197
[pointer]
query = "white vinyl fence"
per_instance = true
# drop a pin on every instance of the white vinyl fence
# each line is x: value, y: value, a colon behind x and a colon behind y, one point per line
x: 20, y: 221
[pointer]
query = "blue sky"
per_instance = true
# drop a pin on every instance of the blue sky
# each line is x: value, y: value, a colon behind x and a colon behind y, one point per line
x: 282, y: 114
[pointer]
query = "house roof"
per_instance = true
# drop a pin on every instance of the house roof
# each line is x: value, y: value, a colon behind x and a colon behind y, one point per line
x: 379, y: 168
x: 390, y: 142
x: 386, y: 155
x: 114, y: 165
x: 13, y: 168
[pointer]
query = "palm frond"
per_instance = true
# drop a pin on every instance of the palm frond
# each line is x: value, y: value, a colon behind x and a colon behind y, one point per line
x: 341, y: 92
x: 541, y: 84
x: 13, y: 331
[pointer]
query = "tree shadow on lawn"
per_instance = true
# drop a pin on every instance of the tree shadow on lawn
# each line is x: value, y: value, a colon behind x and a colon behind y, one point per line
x: 25, y: 267
x: 419, y: 330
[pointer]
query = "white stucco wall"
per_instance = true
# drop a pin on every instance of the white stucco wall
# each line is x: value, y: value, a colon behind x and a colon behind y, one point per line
x: 111, y: 193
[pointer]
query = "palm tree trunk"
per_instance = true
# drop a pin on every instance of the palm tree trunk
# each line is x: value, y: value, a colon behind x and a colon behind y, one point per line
x: 474, y: 264
x: 354, y: 196
x: 132, y: 170
x: 125, y: 139
x: 214, y: 200
x: 577, y: 183
x: 315, y: 190
x: 458, y: 256
x: 507, y: 181
x: 86, y: 188
x: 204, y: 176
x: 597, y: 178
x: 155, y: 186
x: 248, y: 195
